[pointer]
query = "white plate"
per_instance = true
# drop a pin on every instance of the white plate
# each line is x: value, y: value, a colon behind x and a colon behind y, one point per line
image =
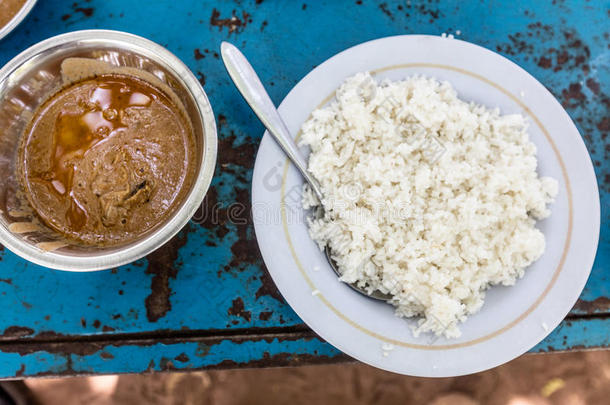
x: 513, y: 319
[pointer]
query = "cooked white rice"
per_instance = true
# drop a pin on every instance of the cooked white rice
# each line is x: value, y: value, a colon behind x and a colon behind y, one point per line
x: 427, y: 197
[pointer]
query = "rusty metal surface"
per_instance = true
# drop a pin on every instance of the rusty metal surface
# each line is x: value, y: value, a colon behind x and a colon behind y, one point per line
x: 205, y: 299
x: 200, y: 350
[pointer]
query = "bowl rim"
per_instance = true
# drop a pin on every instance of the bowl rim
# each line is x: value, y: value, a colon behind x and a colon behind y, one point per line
x: 191, y: 203
x: 17, y: 18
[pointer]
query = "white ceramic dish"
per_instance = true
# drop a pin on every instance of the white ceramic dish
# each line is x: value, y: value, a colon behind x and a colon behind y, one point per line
x: 513, y: 319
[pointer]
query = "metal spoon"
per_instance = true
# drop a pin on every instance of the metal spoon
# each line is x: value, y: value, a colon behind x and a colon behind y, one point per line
x: 251, y: 88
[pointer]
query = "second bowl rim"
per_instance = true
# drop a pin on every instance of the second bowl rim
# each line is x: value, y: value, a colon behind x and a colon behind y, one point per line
x: 17, y: 18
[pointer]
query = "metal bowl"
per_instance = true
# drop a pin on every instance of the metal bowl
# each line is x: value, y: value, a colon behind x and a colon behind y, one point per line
x: 17, y: 18
x: 28, y: 79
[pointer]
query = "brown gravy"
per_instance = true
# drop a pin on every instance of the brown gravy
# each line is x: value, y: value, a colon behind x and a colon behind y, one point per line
x: 106, y: 159
x: 8, y: 9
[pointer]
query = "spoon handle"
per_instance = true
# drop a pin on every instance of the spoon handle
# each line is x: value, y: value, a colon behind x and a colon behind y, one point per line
x: 253, y: 91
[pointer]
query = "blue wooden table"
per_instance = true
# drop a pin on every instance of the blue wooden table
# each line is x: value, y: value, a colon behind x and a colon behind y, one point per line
x: 205, y: 299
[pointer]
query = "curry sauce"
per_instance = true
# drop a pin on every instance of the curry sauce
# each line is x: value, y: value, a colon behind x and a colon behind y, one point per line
x: 106, y: 159
x: 8, y: 10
